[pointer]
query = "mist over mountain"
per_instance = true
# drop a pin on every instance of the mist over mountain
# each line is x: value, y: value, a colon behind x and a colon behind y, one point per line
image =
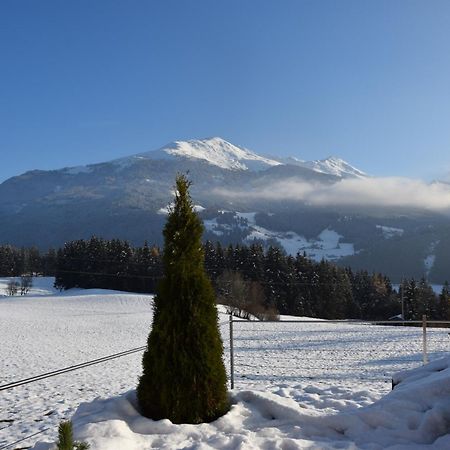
x: 326, y: 208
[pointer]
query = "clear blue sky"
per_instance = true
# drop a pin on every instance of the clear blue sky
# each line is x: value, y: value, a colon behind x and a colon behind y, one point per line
x: 87, y: 81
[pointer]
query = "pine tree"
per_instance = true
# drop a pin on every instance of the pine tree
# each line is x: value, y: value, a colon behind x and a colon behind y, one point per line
x: 65, y: 435
x: 427, y: 300
x: 411, y: 299
x: 444, y: 303
x: 184, y: 377
x: 65, y: 438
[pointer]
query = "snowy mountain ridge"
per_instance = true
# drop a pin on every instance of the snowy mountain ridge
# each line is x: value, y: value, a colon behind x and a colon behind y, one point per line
x: 332, y: 165
x: 225, y: 155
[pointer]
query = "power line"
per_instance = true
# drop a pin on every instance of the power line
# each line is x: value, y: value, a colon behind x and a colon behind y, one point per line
x: 157, y: 260
x: 160, y: 277
x: 103, y: 274
x: 43, y: 376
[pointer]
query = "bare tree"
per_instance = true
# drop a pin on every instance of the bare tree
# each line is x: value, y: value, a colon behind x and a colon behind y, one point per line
x: 12, y: 287
x: 257, y: 303
x: 26, y: 283
x: 243, y: 298
x: 232, y: 292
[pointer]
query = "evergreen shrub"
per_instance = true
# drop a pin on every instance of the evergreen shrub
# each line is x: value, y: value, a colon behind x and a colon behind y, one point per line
x: 184, y: 378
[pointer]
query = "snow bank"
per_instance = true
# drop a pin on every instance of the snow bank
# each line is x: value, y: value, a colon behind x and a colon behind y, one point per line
x: 415, y: 415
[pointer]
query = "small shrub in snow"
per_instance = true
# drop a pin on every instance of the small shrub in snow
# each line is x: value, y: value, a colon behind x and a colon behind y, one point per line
x: 65, y: 438
x: 184, y: 377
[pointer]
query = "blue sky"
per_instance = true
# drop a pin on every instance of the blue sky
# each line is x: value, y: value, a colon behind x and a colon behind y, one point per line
x: 88, y: 81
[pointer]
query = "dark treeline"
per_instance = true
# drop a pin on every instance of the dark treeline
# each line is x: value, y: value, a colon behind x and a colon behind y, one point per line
x: 293, y: 285
x: 108, y: 264
x: 15, y: 262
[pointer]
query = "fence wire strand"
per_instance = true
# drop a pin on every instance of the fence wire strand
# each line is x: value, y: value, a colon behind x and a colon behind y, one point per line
x: 24, y: 439
x: 54, y: 373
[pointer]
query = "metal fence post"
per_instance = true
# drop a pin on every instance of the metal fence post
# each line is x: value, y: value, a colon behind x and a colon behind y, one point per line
x: 424, y: 339
x: 231, y: 353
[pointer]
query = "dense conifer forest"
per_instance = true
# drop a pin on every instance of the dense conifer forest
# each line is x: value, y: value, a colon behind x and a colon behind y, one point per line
x: 296, y: 286
x: 291, y: 285
x: 15, y: 262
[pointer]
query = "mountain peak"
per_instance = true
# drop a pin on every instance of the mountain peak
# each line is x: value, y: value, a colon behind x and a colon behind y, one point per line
x: 333, y: 158
x: 334, y: 165
x: 215, y: 151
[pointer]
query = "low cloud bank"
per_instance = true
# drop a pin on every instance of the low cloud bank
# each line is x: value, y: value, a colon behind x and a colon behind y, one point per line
x: 364, y: 192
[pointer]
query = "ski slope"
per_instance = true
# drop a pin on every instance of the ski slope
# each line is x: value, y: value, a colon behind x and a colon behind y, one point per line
x: 285, y: 375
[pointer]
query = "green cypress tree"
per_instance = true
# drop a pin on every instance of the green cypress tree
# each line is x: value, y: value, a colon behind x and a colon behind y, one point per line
x: 184, y: 377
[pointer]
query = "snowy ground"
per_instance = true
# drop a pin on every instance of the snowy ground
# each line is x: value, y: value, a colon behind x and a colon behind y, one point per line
x: 294, y: 383
x: 327, y: 245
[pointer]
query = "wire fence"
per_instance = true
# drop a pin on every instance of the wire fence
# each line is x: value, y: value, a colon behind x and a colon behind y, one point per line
x: 69, y: 369
x: 339, y: 351
x: 51, y: 374
x: 286, y: 351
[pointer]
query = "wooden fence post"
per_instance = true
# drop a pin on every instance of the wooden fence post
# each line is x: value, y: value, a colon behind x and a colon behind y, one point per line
x: 231, y: 353
x: 424, y: 339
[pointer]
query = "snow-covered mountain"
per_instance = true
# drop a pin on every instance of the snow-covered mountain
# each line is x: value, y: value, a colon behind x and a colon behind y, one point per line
x: 334, y: 166
x: 126, y: 198
x: 330, y: 166
x: 215, y: 151
x: 225, y: 155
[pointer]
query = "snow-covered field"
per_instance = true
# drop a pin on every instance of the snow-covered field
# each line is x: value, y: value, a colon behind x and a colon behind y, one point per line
x: 297, y: 386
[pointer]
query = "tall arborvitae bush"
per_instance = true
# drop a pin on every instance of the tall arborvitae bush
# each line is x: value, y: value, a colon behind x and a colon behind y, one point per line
x: 184, y: 377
